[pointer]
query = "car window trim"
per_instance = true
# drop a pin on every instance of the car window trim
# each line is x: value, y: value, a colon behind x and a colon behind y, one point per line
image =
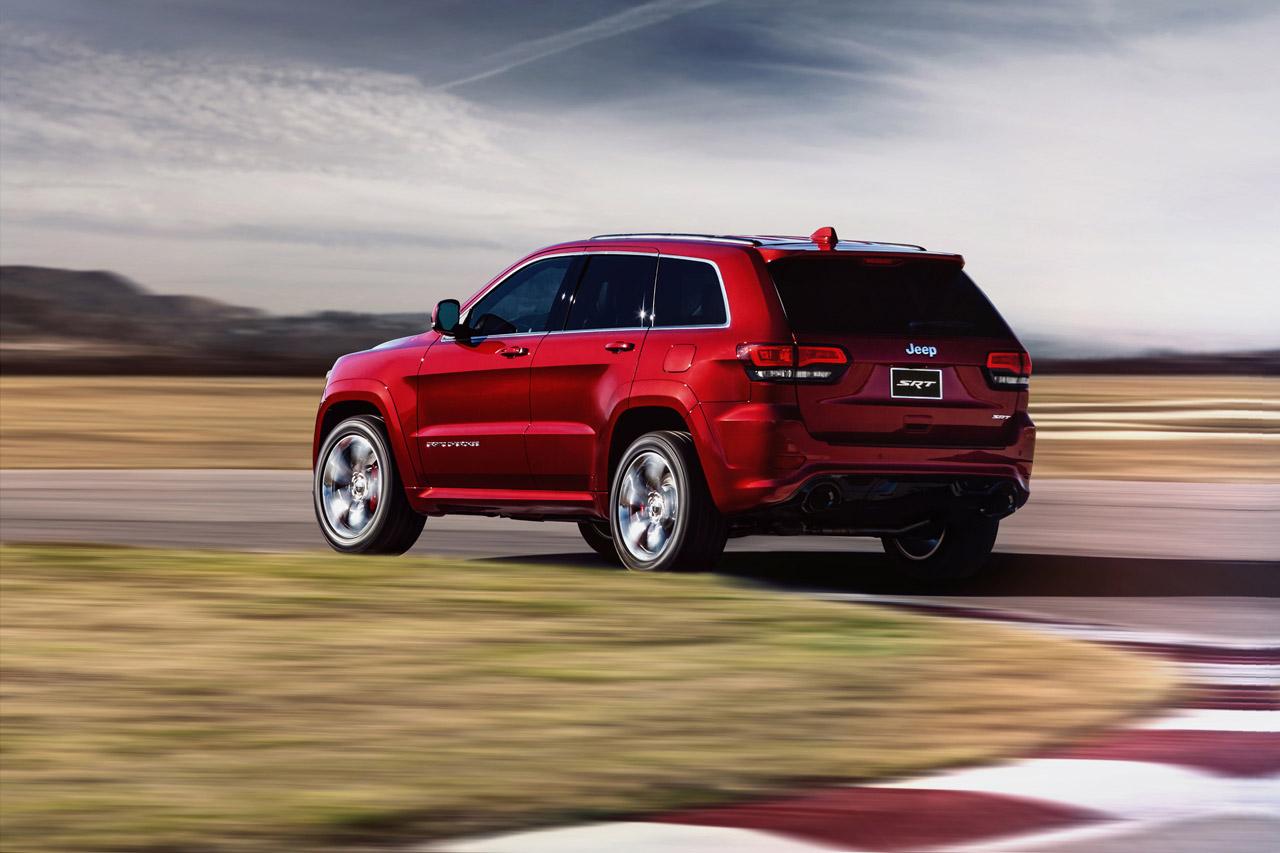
x: 724, y: 294
x: 498, y: 282
x: 480, y: 297
x: 593, y: 251
x: 582, y: 275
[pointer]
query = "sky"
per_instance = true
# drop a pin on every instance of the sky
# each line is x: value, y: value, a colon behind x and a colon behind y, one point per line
x: 1111, y: 171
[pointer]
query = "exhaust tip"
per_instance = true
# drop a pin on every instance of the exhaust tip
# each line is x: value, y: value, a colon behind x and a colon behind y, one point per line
x: 1002, y: 502
x: 822, y: 498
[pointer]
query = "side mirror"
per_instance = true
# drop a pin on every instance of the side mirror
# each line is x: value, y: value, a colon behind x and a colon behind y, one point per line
x: 444, y: 319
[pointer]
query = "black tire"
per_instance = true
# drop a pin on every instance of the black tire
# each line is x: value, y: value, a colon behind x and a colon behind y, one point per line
x: 698, y: 530
x: 956, y: 549
x: 394, y: 526
x: 600, y: 538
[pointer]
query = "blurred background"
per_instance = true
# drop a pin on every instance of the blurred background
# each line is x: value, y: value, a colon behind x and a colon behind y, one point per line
x: 204, y: 202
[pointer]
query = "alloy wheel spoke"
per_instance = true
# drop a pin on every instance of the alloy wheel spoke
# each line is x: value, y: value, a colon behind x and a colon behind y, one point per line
x: 350, y: 486
x: 647, y: 503
x: 654, y: 471
x: 357, y: 516
x: 670, y: 497
x: 636, y: 530
x: 337, y: 472
x: 634, y: 491
x: 655, y: 537
x: 361, y: 452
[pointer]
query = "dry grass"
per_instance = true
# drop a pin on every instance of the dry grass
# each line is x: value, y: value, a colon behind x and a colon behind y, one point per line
x: 1185, y: 428
x: 159, y: 700
x: 1118, y: 427
x: 156, y: 422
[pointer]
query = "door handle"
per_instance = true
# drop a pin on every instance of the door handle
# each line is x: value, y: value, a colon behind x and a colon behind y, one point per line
x: 620, y: 346
x: 513, y: 352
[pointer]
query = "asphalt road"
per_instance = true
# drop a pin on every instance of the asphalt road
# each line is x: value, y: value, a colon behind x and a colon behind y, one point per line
x: 1184, y: 557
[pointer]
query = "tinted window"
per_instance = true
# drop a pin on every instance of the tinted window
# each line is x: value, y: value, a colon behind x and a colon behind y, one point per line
x: 845, y: 296
x: 614, y: 292
x: 523, y: 302
x: 688, y: 294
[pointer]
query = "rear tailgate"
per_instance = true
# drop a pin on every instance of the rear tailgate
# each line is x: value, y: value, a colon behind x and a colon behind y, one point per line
x: 918, y: 334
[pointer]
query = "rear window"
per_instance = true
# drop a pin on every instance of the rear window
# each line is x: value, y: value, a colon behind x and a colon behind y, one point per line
x: 845, y: 296
x: 688, y: 294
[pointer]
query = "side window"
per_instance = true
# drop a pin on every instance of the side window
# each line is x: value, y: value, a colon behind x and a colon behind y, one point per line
x: 688, y: 294
x: 614, y: 293
x: 524, y: 302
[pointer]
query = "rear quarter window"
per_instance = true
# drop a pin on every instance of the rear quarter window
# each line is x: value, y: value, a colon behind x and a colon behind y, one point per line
x: 689, y: 294
x: 843, y: 295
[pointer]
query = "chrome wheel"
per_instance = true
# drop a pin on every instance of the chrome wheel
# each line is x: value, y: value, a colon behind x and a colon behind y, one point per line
x: 648, y: 506
x: 921, y: 548
x: 351, y: 486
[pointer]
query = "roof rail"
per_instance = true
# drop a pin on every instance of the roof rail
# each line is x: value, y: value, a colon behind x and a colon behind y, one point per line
x: 755, y: 240
x: 781, y: 238
x: 888, y: 243
x: 674, y: 235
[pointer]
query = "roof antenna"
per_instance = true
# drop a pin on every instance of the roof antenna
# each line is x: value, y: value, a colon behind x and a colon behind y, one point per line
x: 825, y: 238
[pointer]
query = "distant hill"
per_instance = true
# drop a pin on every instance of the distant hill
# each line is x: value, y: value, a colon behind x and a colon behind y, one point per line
x: 93, y: 322
x: 1250, y: 363
x: 69, y: 321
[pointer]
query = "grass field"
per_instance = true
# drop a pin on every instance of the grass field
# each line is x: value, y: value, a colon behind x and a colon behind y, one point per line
x: 160, y: 700
x: 1199, y: 428
x: 1148, y: 427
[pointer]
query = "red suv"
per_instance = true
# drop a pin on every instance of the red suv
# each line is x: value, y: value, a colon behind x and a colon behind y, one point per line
x: 667, y: 391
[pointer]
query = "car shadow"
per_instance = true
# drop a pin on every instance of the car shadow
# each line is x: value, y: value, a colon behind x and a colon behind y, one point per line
x: 1005, y: 575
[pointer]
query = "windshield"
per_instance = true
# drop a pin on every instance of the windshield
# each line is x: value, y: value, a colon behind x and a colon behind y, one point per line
x: 842, y: 295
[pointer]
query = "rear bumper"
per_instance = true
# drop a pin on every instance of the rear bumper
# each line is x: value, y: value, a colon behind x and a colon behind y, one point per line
x: 854, y: 505
x: 759, y: 456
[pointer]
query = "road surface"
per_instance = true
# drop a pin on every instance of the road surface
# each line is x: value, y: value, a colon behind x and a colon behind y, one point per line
x: 1198, y: 558
x: 1171, y: 559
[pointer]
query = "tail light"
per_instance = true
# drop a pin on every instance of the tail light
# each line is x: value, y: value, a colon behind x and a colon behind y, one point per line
x: 808, y: 363
x: 1011, y: 370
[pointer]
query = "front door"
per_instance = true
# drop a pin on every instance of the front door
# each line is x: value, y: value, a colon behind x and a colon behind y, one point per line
x: 473, y: 391
x: 582, y: 374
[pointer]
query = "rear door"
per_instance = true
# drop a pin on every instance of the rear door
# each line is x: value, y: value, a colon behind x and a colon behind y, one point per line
x: 584, y: 372
x: 917, y: 334
x: 473, y: 393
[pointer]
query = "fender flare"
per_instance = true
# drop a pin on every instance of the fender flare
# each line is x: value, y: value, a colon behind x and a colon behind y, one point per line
x: 679, y: 398
x: 379, y: 396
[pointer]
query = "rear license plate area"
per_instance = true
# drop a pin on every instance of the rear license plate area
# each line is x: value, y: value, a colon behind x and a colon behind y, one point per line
x: 915, y: 383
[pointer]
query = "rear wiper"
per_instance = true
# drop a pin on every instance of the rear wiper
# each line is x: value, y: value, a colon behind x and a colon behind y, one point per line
x: 918, y: 325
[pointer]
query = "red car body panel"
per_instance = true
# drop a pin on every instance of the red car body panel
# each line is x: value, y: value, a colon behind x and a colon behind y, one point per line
x: 393, y: 402
x: 578, y: 390
x: 473, y: 401
x: 521, y: 425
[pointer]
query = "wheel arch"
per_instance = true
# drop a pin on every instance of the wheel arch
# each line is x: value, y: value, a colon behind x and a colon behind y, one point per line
x: 657, y: 404
x: 351, y: 397
x: 634, y: 422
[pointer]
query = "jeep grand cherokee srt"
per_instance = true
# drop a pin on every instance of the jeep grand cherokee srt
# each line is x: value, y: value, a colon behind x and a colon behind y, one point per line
x: 667, y: 391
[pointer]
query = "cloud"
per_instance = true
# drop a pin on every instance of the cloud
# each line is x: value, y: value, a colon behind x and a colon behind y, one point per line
x: 62, y: 96
x: 252, y: 177
x: 525, y: 52
x: 1109, y: 174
